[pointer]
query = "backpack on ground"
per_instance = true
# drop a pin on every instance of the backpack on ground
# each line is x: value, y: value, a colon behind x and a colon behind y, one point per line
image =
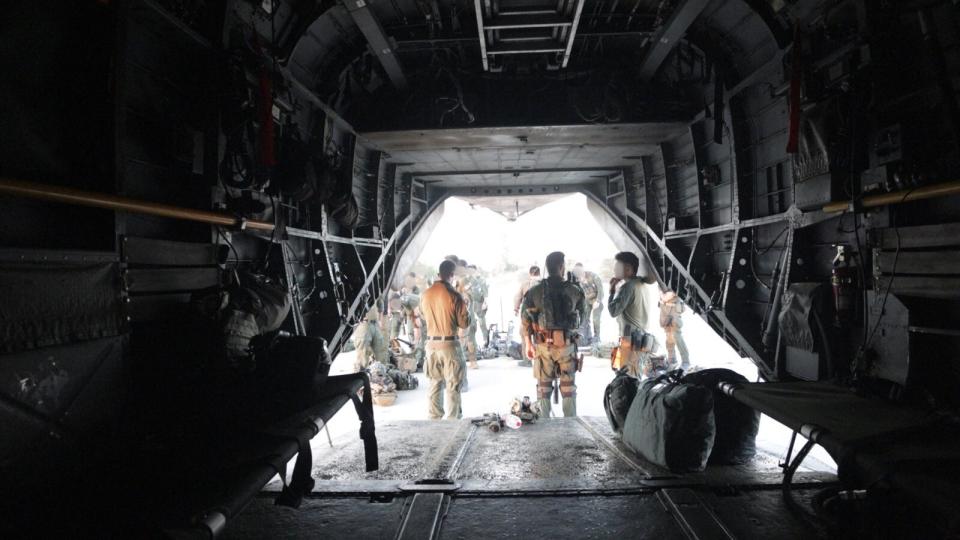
x: 671, y: 423
x: 618, y: 397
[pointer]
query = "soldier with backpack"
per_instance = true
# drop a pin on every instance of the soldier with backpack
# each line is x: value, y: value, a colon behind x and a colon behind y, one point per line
x: 551, y: 315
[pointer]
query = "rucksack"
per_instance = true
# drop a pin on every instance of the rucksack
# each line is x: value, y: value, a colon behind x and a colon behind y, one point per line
x: 247, y: 310
x: 618, y: 397
x: 671, y: 423
x: 515, y: 350
x: 404, y: 380
x: 380, y: 380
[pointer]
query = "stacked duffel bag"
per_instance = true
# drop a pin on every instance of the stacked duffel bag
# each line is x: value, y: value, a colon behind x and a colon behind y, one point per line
x: 682, y: 423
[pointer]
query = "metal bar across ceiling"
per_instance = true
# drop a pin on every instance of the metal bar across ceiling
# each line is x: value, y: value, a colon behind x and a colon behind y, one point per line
x: 527, y: 30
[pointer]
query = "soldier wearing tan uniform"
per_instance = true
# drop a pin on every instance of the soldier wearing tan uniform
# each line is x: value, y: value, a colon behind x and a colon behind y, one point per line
x: 550, y: 315
x: 394, y: 317
x: 445, y: 312
x: 533, y: 277
x: 369, y: 342
x: 410, y: 313
x: 413, y: 321
x: 671, y: 310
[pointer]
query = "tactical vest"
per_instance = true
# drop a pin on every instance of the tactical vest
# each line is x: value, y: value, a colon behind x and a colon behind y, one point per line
x: 557, y: 309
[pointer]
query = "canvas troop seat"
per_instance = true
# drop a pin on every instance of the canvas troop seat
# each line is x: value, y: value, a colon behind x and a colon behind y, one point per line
x: 871, y: 439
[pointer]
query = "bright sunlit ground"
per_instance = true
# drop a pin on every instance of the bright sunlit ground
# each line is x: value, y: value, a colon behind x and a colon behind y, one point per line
x: 504, y: 250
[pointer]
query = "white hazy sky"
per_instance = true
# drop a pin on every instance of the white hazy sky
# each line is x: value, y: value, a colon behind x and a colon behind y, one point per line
x: 487, y: 239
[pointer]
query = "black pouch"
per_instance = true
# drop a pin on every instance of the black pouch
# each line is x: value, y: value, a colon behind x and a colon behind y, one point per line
x: 642, y: 341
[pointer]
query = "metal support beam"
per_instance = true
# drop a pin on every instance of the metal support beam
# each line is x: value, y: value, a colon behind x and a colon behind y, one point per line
x: 529, y: 47
x: 513, y: 190
x: 474, y: 172
x: 669, y: 34
x: 378, y: 40
x: 293, y: 288
x: 329, y: 111
x: 77, y: 197
x: 482, y: 36
x: 573, y: 33
x: 313, y: 235
x: 526, y: 20
x: 428, y: 43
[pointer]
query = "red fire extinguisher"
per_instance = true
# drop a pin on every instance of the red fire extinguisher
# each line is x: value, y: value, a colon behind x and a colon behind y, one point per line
x: 843, y: 277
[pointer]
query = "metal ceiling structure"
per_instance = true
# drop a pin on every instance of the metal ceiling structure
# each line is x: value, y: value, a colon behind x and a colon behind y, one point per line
x: 546, y: 156
x: 669, y: 34
x: 506, y: 28
x: 381, y: 44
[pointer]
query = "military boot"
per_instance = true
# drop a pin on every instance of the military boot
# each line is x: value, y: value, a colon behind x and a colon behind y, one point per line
x: 569, y: 406
x: 544, y: 407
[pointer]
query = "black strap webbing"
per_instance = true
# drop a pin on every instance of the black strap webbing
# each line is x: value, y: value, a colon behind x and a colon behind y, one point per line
x: 367, y: 426
x: 301, y: 482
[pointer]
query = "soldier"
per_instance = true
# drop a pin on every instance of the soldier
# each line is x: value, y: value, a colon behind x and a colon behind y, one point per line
x: 410, y: 313
x: 369, y: 342
x: 593, y: 289
x: 410, y: 307
x: 533, y: 277
x: 394, y: 317
x: 457, y: 281
x: 468, y: 335
x: 551, y: 314
x: 444, y: 311
x: 671, y: 307
x: 627, y: 303
x: 478, y: 299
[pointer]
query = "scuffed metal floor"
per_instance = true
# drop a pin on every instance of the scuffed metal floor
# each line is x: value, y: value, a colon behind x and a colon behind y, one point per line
x: 409, y: 450
x: 553, y: 449
x: 748, y: 514
x: 549, y: 479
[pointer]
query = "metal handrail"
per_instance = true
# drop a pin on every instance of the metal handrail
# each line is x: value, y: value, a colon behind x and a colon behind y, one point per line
x: 334, y: 344
x: 79, y: 197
